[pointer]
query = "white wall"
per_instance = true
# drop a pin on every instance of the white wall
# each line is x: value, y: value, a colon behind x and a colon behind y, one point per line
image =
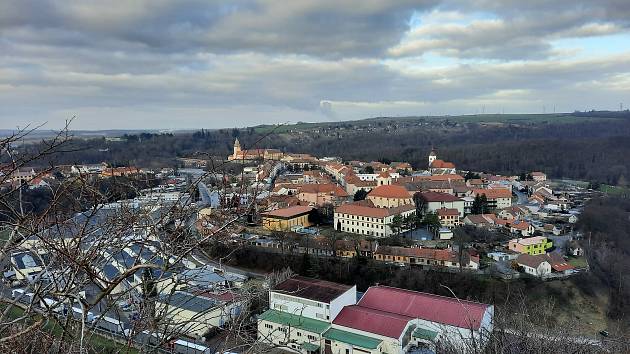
x: 346, y: 299
x: 307, y: 308
x: 459, y: 205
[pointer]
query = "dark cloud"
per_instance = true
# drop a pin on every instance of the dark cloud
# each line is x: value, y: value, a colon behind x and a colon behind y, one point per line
x: 513, y: 29
x: 211, y: 63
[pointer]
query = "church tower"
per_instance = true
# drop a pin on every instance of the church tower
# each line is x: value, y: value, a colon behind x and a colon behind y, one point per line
x: 432, y: 157
x: 237, y: 148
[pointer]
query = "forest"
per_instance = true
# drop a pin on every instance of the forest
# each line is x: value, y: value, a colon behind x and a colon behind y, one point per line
x: 595, y: 150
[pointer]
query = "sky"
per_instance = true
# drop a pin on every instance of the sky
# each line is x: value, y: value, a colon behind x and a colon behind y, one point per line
x: 190, y: 64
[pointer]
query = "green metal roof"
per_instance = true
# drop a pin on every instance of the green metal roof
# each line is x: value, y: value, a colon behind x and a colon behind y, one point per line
x: 295, y: 321
x: 311, y: 347
x: 352, y: 338
x: 424, y: 333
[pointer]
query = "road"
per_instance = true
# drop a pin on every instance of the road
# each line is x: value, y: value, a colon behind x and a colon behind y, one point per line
x: 521, y: 198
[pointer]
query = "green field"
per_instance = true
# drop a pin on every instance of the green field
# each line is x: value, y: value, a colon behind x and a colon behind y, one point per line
x: 615, y: 190
x: 578, y: 262
x: 561, y: 118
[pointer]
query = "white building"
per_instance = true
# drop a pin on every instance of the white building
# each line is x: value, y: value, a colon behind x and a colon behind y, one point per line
x: 433, y: 201
x: 301, y: 310
x: 364, y: 218
x: 392, y: 320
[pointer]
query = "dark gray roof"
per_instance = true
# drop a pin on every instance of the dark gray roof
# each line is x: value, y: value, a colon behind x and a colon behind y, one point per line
x: 188, y: 301
x: 24, y: 260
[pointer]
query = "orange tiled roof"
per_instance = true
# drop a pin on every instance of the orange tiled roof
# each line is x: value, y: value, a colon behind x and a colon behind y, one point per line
x: 447, y: 211
x: 390, y: 191
x: 328, y: 188
x: 367, y: 208
x: 442, y: 164
x: 289, y: 212
x: 494, y: 193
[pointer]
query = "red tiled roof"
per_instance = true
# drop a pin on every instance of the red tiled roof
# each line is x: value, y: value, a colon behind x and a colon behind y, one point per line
x: 435, y: 308
x: 367, y: 208
x: 558, y: 263
x: 447, y: 177
x: 289, y: 212
x: 520, y: 225
x: 532, y: 261
x: 447, y: 211
x: 426, y: 253
x: 372, y: 321
x: 328, y: 188
x: 438, y: 197
x: 313, y: 289
x: 494, y: 193
x: 390, y: 191
x: 442, y: 164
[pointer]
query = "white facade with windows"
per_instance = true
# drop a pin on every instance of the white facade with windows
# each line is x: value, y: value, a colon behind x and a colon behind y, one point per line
x: 368, y: 225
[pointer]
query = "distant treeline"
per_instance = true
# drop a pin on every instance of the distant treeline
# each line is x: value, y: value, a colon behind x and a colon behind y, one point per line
x: 592, y: 150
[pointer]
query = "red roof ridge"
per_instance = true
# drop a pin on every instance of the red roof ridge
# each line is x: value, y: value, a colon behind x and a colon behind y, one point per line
x: 429, y: 294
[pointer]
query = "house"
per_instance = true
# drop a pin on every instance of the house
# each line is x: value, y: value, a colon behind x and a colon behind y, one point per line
x: 319, y: 246
x: 539, y: 176
x: 26, y: 265
x: 544, y: 265
x: 429, y: 257
x: 502, y: 256
x: 287, y: 218
x: 575, y: 249
x: 440, y: 167
x: 432, y: 201
x: 537, y: 265
x: 37, y: 182
x: 353, y: 184
x: 392, y: 320
x: 364, y: 218
x: 448, y: 217
x: 401, y: 166
x: 21, y: 175
x: 521, y: 227
x: 301, y: 310
x: 321, y: 194
x: 514, y: 212
x: 349, y: 248
x: 484, y: 221
x: 119, y: 171
x: 389, y: 196
x: 530, y: 245
x: 194, y: 314
x: 498, y: 198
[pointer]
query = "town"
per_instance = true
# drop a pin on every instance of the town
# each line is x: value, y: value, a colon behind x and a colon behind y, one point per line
x: 425, y: 218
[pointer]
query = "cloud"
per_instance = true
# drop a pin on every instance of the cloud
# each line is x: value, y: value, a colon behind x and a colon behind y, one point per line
x: 510, y: 30
x: 217, y: 64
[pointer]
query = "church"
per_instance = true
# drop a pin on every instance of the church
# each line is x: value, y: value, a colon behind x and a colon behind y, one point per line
x: 253, y: 154
x: 439, y: 167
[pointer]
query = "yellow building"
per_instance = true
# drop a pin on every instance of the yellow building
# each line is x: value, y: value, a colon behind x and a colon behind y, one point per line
x: 530, y: 245
x: 287, y: 218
